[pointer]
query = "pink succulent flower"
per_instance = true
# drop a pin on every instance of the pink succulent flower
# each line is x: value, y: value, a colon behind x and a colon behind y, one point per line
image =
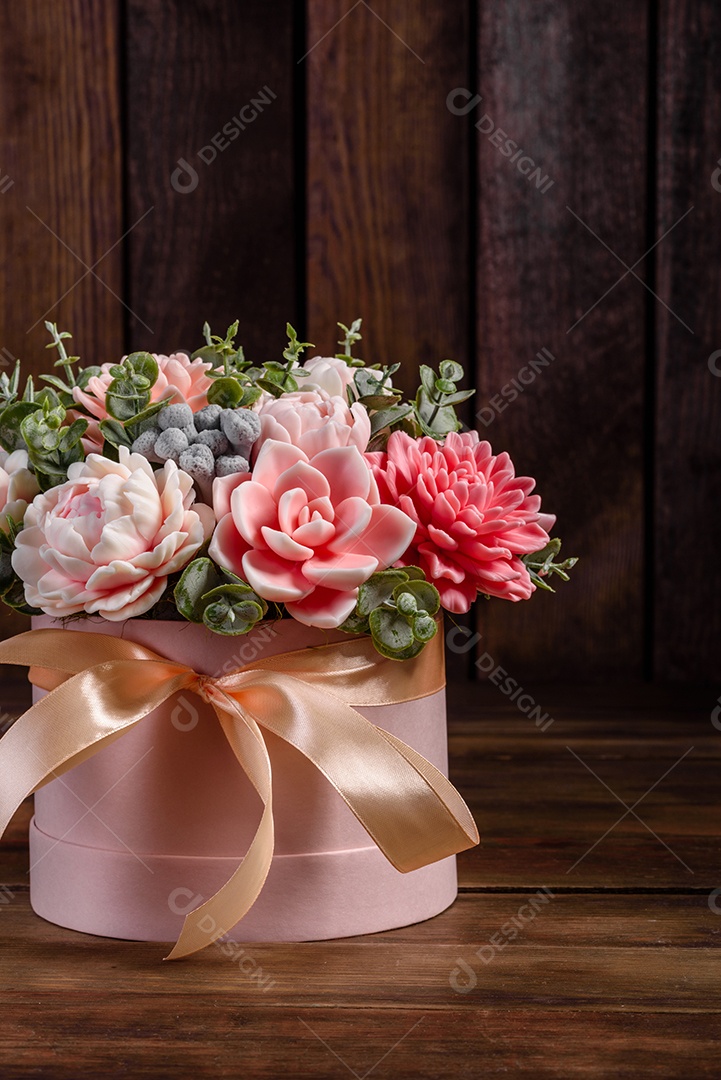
x: 473, y: 515
x: 180, y: 379
x: 307, y: 531
x: 18, y: 487
x: 105, y: 541
x: 312, y: 420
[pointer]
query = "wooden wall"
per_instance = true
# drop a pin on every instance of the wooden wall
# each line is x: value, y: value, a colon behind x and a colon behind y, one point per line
x: 355, y: 189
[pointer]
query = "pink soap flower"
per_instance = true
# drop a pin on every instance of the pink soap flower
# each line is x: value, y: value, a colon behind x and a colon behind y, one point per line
x: 473, y: 515
x: 307, y: 531
x: 327, y: 373
x: 313, y: 420
x: 18, y: 487
x: 180, y: 379
x: 105, y: 541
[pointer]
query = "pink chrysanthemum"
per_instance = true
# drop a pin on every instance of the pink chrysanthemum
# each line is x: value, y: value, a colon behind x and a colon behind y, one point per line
x: 474, y: 517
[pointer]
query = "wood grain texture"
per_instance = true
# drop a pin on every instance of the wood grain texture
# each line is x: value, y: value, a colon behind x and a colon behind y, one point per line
x: 556, y: 78
x: 615, y: 975
x: 60, y: 173
x: 387, y: 186
x: 223, y: 249
x: 688, y: 411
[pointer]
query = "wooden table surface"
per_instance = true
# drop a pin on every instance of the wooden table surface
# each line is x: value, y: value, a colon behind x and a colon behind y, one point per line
x: 610, y: 817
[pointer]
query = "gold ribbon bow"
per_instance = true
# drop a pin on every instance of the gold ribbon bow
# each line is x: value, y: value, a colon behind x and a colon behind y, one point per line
x: 101, y: 686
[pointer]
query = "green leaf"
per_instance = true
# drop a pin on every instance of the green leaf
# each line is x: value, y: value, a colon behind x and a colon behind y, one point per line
x: 378, y: 589
x: 379, y: 401
x: 390, y: 631
x: 141, y: 421
x: 426, y: 596
x: 456, y: 399
x: 71, y: 435
x: 424, y: 628
x: 355, y: 624
x: 199, y: 578
x: 226, y: 392
x: 124, y: 400
x: 428, y: 380
x: 144, y: 365
x: 385, y: 417
x: 451, y: 370
x: 114, y: 433
x: 10, y: 420
x: 223, y: 616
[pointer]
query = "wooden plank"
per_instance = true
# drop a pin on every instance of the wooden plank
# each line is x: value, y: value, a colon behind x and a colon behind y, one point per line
x: 688, y: 412
x: 60, y: 173
x: 108, y: 1034
x: 555, y: 78
x: 387, y: 235
x: 588, y: 967
x: 220, y: 244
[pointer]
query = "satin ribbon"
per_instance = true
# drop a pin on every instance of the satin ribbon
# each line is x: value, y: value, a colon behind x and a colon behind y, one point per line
x: 101, y: 686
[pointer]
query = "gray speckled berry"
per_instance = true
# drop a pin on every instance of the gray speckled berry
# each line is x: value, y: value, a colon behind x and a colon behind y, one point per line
x: 231, y: 463
x: 145, y: 444
x: 170, y: 444
x: 175, y: 416
x: 241, y: 427
x: 208, y: 419
x: 215, y: 440
x: 198, y: 462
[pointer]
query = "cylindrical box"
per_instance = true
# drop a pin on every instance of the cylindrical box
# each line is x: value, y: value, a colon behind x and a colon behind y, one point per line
x: 132, y: 839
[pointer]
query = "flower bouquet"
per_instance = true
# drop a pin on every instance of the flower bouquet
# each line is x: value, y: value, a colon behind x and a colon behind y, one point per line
x: 240, y: 568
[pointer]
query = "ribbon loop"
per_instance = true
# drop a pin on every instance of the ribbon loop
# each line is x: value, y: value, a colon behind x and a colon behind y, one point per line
x: 100, y: 686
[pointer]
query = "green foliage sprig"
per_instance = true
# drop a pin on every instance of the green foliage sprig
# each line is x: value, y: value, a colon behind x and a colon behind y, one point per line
x: 541, y: 565
x: 398, y: 609
x: 223, y: 602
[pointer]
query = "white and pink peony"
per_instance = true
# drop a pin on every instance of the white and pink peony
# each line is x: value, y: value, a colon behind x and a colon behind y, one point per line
x: 105, y: 541
x: 18, y: 487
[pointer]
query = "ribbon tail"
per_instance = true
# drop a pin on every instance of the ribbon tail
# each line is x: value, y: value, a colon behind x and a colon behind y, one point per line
x: 220, y: 913
x: 405, y: 804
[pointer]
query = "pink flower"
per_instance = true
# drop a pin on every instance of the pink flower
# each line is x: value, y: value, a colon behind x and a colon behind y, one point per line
x: 307, y: 531
x: 105, y: 541
x: 328, y: 373
x: 473, y: 515
x: 180, y: 379
x: 312, y: 420
x: 18, y: 487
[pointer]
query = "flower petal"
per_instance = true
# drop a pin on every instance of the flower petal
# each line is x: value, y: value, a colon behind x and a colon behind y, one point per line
x: 274, y: 578
x: 326, y: 608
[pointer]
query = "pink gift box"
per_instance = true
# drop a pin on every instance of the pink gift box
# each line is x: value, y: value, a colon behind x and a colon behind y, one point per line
x: 129, y: 841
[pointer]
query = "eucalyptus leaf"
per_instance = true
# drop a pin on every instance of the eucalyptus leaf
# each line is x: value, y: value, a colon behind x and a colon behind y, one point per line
x: 378, y: 589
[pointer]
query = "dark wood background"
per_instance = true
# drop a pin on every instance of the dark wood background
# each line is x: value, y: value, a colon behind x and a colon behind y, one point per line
x: 357, y: 191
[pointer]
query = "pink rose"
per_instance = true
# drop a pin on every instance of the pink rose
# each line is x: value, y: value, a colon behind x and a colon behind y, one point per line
x: 307, y: 531
x: 312, y: 420
x: 18, y: 487
x: 105, y: 541
x: 473, y: 515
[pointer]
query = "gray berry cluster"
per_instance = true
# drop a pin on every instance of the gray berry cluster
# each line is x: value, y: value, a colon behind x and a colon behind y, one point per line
x: 209, y: 443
